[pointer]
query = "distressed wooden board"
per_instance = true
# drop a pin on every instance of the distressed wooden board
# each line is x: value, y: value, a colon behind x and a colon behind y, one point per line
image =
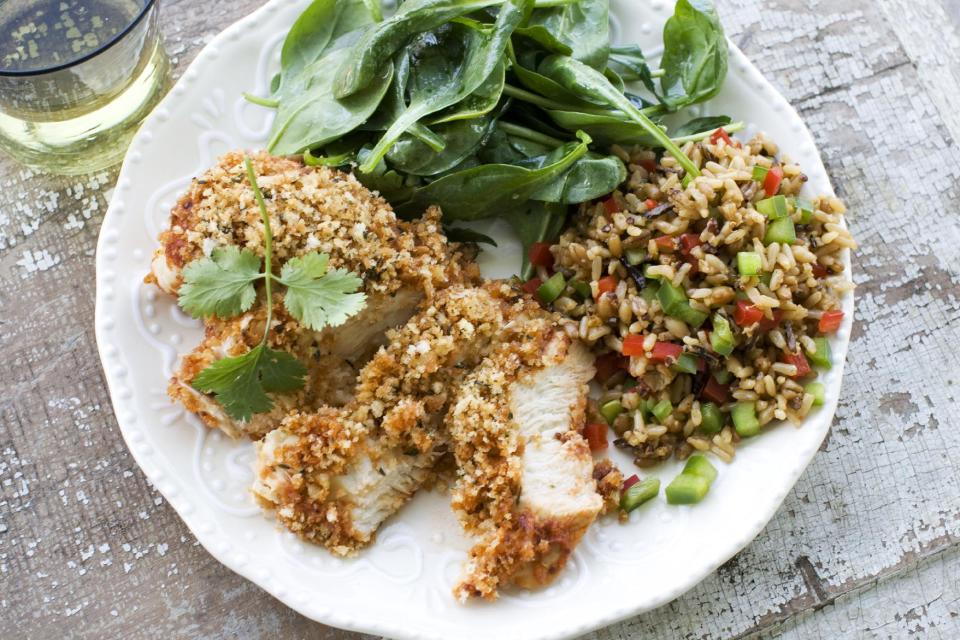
x: 867, y: 545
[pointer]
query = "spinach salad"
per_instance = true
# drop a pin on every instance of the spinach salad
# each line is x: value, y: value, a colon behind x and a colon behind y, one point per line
x: 489, y: 108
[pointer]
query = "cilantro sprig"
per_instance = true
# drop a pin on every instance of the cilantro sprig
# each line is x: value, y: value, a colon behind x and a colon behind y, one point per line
x: 224, y: 285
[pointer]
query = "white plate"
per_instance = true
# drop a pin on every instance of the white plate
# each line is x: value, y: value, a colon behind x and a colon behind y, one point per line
x: 401, y: 586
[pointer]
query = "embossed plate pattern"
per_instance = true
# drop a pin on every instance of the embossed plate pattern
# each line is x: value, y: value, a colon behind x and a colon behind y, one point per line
x: 401, y: 586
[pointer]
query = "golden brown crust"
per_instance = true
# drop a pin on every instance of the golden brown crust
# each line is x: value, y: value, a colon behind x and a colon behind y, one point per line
x: 609, y: 481
x: 311, y: 209
x: 521, y: 541
x: 397, y: 410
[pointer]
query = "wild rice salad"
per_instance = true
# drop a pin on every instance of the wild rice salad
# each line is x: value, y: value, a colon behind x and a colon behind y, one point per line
x: 708, y: 304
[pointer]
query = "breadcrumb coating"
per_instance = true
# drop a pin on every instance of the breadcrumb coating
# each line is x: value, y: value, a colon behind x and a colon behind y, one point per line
x: 311, y: 209
x: 310, y: 469
x: 525, y: 488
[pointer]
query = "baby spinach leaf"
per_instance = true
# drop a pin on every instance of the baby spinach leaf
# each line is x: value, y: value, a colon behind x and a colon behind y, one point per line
x: 523, y: 65
x: 586, y: 81
x: 461, y: 139
x: 584, y: 26
x: 314, y: 116
x: 492, y: 189
x: 392, y: 106
x: 695, y: 54
x: 451, y: 63
x: 542, y: 36
x: 604, y: 129
x: 592, y: 176
x: 501, y: 148
x: 698, y: 125
x: 482, y: 101
x: 382, y: 41
x: 312, y: 35
x: 632, y: 66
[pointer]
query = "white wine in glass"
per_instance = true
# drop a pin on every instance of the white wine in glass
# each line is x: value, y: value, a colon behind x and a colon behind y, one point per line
x: 76, y: 79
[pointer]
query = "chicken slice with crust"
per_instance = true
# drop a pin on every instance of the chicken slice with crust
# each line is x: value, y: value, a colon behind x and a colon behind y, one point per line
x: 333, y: 476
x: 526, y: 490
x: 311, y: 209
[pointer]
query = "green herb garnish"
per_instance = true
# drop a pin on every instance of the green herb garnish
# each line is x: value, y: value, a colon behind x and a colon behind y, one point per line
x: 223, y: 285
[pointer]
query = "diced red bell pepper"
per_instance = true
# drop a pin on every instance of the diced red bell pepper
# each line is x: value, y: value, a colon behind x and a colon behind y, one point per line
x: 607, y: 365
x: 649, y: 164
x: 606, y: 284
x: 633, y: 345
x: 665, y: 351
x: 688, y: 241
x: 830, y: 321
x: 819, y: 271
x: 629, y: 482
x: 771, y: 183
x: 665, y: 243
x: 595, y: 434
x: 800, y: 362
x: 715, y: 392
x: 540, y: 255
x: 610, y: 205
x: 531, y: 285
x: 746, y: 314
x: 650, y: 203
x: 766, y: 324
x: 720, y: 134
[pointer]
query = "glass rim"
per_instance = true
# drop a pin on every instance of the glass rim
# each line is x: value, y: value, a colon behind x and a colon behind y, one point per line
x: 120, y: 35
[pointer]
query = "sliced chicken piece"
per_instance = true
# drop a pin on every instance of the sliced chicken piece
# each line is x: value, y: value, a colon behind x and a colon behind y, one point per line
x: 335, y: 475
x: 526, y: 490
x: 311, y: 209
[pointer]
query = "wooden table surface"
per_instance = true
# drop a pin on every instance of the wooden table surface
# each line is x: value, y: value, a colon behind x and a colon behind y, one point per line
x: 867, y: 544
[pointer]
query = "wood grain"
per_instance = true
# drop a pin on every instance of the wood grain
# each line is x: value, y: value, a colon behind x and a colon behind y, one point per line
x: 867, y: 544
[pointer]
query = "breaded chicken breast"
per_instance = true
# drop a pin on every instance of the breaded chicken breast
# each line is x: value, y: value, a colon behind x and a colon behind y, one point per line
x: 335, y: 475
x: 311, y: 209
x: 526, y: 490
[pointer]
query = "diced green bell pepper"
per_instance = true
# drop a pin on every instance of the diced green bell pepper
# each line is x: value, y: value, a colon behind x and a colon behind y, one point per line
x: 749, y: 263
x: 818, y: 391
x: 686, y: 363
x: 711, y: 418
x: 822, y: 357
x: 744, y: 415
x: 698, y: 465
x: 774, y: 207
x: 721, y: 338
x: 687, y: 488
x: 643, y: 491
x: 780, y: 230
x: 662, y: 410
x: 805, y: 208
x: 552, y: 288
x: 610, y: 410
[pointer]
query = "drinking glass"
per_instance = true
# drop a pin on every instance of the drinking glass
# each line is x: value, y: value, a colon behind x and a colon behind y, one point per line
x: 76, y: 79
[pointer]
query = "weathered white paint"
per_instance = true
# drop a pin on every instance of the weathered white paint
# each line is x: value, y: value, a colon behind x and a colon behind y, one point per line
x: 866, y: 545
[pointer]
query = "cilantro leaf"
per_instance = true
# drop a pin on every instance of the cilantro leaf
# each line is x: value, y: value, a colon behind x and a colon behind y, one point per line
x: 241, y: 383
x: 221, y: 285
x: 319, y: 298
x: 280, y: 372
